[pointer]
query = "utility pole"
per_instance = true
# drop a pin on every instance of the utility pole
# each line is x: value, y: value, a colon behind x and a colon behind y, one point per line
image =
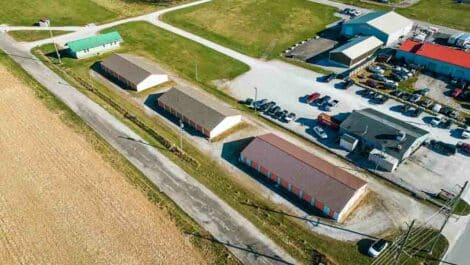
x: 197, y: 74
x: 403, y: 245
x: 181, y: 134
x: 55, y: 45
x: 448, y: 215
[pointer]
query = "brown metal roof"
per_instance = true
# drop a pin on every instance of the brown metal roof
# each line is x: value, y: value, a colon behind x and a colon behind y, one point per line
x: 196, y: 106
x: 315, y: 176
x: 133, y: 68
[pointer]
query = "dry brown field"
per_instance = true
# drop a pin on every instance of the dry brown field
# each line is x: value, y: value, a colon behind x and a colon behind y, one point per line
x: 62, y: 203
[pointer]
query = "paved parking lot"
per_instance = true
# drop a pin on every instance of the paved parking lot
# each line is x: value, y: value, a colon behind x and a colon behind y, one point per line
x: 290, y: 94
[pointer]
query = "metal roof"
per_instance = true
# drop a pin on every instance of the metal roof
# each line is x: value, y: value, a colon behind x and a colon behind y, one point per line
x: 387, y: 22
x: 382, y: 130
x: 437, y: 52
x: 358, y: 46
x: 315, y: 176
x: 133, y: 68
x: 196, y: 106
x: 94, y: 41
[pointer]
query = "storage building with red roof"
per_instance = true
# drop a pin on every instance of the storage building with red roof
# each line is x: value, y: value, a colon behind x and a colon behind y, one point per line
x: 324, y: 186
x: 436, y: 58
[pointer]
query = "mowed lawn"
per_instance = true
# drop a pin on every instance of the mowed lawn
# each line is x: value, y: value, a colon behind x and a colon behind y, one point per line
x: 259, y: 28
x: 61, y: 12
x: 440, y: 12
x: 176, y: 54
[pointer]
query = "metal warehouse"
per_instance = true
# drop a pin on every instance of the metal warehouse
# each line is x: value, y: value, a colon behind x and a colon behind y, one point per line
x: 436, y: 58
x: 94, y: 45
x: 394, y: 138
x: 199, y: 111
x: 355, y: 51
x: 388, y: 27
x: 324, y: 186
x: 133, y: 71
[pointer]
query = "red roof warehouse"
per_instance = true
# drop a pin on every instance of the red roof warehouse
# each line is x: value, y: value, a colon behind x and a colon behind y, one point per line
x: 325, y: 186
x: 436, y: 58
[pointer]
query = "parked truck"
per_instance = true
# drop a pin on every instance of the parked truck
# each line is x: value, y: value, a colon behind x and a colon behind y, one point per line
x: 329, y: 121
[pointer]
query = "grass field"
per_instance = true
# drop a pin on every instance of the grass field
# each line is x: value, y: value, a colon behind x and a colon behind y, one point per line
x: 441, y: 12
x: 33, y: 35
x: 73, y: 12
x: 62, y: 202
x: 259, y: 28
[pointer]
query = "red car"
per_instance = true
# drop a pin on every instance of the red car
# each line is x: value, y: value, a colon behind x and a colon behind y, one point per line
x: 456, y: 92
x: 371, y: 83
x: 313, y: 97
x: 464, y: 147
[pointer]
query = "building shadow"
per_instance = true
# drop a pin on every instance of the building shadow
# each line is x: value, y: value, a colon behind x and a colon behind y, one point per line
x: 151, y: 103
x: 245, y: 247
x: 318, y: 221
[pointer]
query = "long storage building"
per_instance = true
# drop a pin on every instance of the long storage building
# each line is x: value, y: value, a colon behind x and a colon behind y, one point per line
x: 324, y: 186
x: 94, y: 45
x: 133, y: 71
x: 199, y: 111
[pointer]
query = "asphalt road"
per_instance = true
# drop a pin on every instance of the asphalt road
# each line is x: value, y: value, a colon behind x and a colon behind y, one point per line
x: 459, y: 254
x: 244, y: 240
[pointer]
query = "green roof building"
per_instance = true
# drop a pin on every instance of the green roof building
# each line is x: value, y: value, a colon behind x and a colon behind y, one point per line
x: 94, y: 45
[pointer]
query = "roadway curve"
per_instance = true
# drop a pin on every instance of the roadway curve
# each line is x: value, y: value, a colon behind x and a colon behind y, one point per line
x: 241, y: 237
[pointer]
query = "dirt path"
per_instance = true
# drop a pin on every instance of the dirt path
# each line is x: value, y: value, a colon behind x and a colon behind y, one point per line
x: 61, y: 203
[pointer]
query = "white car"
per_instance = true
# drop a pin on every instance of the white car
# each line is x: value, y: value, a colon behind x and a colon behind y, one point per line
x: 377, y: 247
x: 466, y: 133
x: 436, y: 120
x: 376, y: 69
x: 320, y: 132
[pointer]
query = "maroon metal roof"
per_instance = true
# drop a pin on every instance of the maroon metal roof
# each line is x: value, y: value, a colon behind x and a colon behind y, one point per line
x: 313, y: 175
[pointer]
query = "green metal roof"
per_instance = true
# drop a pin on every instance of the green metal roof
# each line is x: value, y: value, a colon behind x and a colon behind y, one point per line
x: 94, y: 41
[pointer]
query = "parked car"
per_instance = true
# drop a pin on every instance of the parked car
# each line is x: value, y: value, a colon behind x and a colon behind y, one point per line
x: 415, y: 98
x: 379, y: 77
x: 437, y: 108
x: 446, y: 123
x: 376, y: 69
x: 313, y: 97
x: 267, y: 107
x: 329, y: 77
x: 417, y: 112
x: 260, y: 103
x: 273, y: 110
x: 397, y: 77
x: 465, y: 147
x: 280, y: 115
x: 405, y: 96
x: 456, y: 93
x: 323, y: 100
x: 397, y: 93
x: 348, y: 83
x: 383, y: 100
x: 423, y: 91
x: 426, y: 103
x: 333, y: 103
x: 249, y: 102
x: 371, y: 83
x: 390, y: 84
x: 466, y: 132
x: 377, y: 247
x: 435, y: 121
x: 320, y: 132
x: 454, y: 114
x: 446, y: 110
x: 445, y: 148
x: 290, y: 117
x: 405, y: 108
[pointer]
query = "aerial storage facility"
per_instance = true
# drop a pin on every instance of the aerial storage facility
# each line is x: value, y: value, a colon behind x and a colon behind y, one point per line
x: 355, y: 51
x: 94, y: 45
x: 324, y: 186
x: 436, y: 58
x: 199, y: 111
x: 133, y: 71
x: 388, y: 27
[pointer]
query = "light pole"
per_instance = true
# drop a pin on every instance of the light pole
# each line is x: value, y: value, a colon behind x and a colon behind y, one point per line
x: 55, y: 45
x: 256, y: 99
x: 181, y: 134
